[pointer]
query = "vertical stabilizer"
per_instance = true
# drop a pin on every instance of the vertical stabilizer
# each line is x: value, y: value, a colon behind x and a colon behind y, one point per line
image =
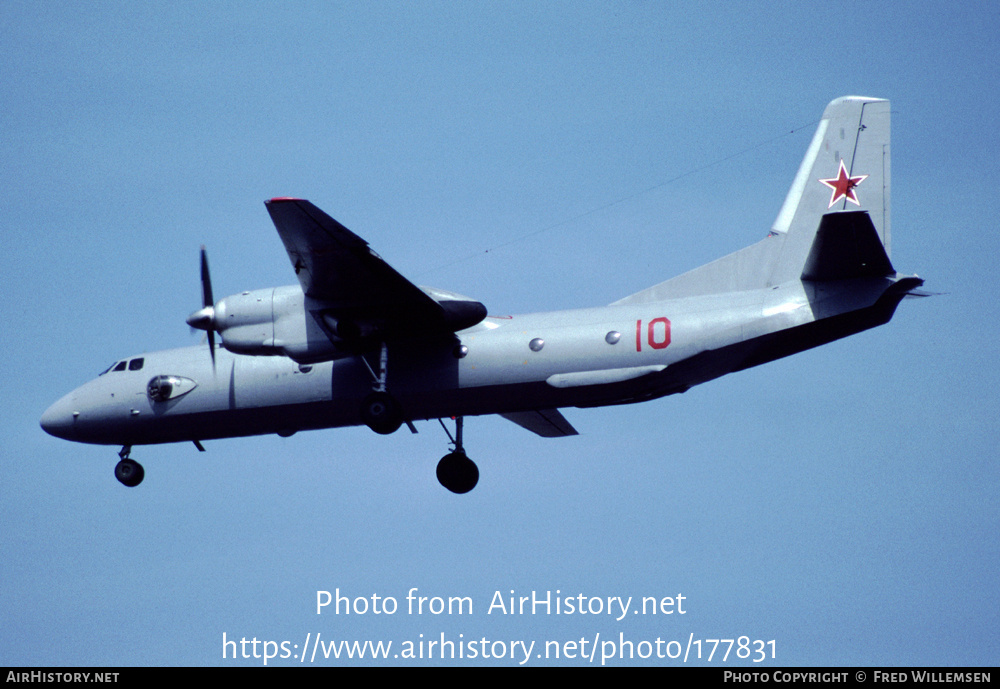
x: 846, y: 168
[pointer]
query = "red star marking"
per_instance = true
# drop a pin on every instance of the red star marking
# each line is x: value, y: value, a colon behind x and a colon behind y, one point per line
x: 843, y: 186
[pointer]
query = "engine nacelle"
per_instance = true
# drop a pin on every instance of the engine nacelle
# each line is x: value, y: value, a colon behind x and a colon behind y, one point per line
x: 460, y: 312
x: 246, y: 322
x: 282, y: 321
x: 272, y: 322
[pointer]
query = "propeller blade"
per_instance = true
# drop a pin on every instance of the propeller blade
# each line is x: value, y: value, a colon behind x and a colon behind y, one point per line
x: 208, y: 305
x: 206, y: 281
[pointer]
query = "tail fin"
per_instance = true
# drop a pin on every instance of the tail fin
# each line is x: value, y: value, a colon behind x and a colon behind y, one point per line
x: 846, y: 167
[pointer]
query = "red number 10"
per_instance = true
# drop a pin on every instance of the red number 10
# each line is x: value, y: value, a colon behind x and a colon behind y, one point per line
x: 657, y: 338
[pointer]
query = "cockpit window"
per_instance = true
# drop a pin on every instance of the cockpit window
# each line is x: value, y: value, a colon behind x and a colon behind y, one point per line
x: 134, y: 365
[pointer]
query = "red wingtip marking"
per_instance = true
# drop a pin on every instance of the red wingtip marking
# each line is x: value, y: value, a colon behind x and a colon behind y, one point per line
x: 279, y: 199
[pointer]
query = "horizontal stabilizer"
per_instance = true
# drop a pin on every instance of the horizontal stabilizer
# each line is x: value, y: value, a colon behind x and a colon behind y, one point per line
x: 846, y: 246
x: 548, y: 423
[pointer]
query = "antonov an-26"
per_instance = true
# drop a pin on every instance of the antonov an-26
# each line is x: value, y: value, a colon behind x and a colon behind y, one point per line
x: 356, y: 343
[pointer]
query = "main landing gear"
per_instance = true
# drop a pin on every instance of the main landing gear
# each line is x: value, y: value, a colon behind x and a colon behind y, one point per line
x: 382, y: 413
x: 456, y: 471
x: 128, y: 471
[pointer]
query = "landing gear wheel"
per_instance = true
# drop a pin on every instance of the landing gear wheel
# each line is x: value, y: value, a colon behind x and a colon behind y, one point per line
x: 129, y: 472
x: 457, y: 472
x: 381, y: 413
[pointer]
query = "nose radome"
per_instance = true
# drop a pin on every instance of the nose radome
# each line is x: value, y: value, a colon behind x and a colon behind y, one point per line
x: 59, y: 419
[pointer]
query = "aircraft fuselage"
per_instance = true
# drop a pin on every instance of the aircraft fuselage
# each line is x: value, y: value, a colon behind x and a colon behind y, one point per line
x: 582, y: 357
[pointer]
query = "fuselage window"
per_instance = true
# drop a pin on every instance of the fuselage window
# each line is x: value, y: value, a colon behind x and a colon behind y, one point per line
x: 135, y: 364
x: 121, y: 365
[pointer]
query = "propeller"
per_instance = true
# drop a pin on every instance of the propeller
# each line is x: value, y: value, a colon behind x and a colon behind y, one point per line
x: 204, y: 318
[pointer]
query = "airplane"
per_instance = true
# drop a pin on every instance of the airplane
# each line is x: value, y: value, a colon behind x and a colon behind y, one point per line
x: 355, y: 342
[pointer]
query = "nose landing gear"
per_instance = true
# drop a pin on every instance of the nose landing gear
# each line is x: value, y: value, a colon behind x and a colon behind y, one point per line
x: 128, y: 471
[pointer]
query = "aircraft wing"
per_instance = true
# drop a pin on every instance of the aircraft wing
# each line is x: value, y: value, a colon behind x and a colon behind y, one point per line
x: 548, y: 423
x: 335, y: 265
x: 337, y: 268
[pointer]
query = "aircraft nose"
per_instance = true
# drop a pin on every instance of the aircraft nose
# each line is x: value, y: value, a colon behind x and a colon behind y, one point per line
x: 60, y: 419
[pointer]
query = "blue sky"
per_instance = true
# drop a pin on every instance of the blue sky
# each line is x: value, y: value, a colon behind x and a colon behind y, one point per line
x: 535, y: 156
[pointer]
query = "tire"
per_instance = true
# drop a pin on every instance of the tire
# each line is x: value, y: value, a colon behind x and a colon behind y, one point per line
x: 129, y: 472
x: 457, y: 473
x: 381, y: 413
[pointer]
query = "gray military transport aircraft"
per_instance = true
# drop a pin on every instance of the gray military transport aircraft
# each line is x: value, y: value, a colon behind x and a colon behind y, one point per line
x: 357, y: 343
